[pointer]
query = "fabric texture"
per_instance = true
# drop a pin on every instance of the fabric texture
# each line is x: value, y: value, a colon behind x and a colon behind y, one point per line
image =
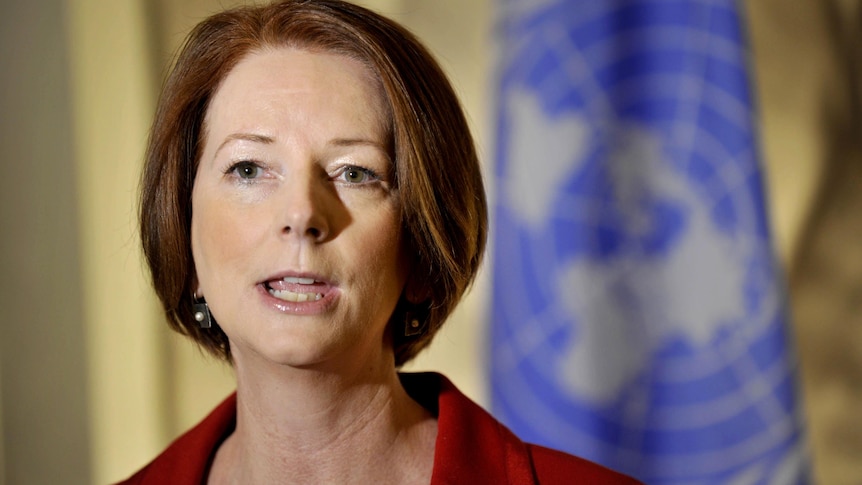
x: 472, y: 447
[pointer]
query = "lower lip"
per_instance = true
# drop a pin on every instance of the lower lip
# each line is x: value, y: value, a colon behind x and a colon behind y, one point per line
x: 311, y: 307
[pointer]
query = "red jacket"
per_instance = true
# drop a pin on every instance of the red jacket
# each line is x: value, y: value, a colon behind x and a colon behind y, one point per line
x: 472, y: 447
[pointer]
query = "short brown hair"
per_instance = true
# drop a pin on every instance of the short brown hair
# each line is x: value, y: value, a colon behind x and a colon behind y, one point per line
x: 438, y: 176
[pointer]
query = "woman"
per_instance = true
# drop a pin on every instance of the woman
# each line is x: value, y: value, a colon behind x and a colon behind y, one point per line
x: 312, y: 210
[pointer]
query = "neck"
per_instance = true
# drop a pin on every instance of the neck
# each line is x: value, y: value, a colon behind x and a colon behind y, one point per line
x: 319, y: 426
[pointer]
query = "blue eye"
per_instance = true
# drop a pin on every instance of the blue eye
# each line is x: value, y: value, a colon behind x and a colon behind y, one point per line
x: 247, y: 170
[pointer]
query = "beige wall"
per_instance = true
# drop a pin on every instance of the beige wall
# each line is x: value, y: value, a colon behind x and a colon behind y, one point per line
x: 92, y: 385
x: 808, y: 60
x: 2, y: 435
x: 44, y: 380
x: 112, y: 89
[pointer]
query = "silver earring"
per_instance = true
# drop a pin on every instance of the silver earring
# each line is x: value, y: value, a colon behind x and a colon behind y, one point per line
x: 202, y: 314
x: 412, y: 325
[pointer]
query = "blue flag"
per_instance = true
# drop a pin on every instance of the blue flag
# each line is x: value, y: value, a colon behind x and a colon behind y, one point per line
x: 639, y: 316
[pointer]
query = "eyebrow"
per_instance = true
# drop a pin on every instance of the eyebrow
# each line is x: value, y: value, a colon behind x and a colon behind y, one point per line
x: 267, y: 140
x: 348, y: 142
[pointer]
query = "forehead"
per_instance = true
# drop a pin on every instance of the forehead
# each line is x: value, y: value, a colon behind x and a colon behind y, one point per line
x: 292, y: 79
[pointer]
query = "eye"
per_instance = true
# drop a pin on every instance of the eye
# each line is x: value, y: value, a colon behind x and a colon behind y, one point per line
x: 357, y: 175
x: 246, y: 170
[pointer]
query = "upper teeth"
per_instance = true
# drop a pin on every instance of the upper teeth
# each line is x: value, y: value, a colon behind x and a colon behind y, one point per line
x: 301, y: 281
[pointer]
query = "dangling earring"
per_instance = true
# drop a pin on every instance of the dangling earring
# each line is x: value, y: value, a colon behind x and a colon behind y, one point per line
x: 412, y: 325
x: 201, y: 311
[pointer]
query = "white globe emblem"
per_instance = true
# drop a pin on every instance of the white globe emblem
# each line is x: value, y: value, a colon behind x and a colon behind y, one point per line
x: 689, y: 292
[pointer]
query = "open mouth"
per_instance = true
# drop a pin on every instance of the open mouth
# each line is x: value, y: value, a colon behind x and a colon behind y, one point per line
x: 297, y: 290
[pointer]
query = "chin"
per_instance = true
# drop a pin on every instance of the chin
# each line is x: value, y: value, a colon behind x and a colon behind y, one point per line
x: 294, y: 351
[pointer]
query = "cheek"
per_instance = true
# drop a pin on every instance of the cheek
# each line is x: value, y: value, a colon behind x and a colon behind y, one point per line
x: 388, y: 251
x: 222, y: 237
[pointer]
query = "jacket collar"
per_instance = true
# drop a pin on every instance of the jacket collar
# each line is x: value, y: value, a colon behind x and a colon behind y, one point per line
x: 471, y: 447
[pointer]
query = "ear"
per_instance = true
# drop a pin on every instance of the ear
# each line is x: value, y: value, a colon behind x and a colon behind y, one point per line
x: 197, y: 292
x: 416, y: 290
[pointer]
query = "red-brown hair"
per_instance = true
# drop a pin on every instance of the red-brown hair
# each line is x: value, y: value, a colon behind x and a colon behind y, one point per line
x: 437, y: 170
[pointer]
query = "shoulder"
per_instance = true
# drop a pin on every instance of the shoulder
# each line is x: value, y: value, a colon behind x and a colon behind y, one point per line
x: 187, y: 459
x: 473, y: 447
x: 552, y: 467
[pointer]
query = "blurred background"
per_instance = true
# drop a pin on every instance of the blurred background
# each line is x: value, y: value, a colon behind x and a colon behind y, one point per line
x: 93, y: 385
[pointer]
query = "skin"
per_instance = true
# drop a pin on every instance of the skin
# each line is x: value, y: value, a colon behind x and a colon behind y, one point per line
x: 295, y: 181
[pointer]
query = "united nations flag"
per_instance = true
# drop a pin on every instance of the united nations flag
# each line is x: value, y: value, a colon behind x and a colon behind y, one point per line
x: 638, y: 317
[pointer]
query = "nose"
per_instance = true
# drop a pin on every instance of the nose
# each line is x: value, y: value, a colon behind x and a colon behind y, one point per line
x: 306, y: 208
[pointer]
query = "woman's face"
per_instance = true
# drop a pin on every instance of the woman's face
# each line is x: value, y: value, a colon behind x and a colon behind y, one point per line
x: 296, y: 223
